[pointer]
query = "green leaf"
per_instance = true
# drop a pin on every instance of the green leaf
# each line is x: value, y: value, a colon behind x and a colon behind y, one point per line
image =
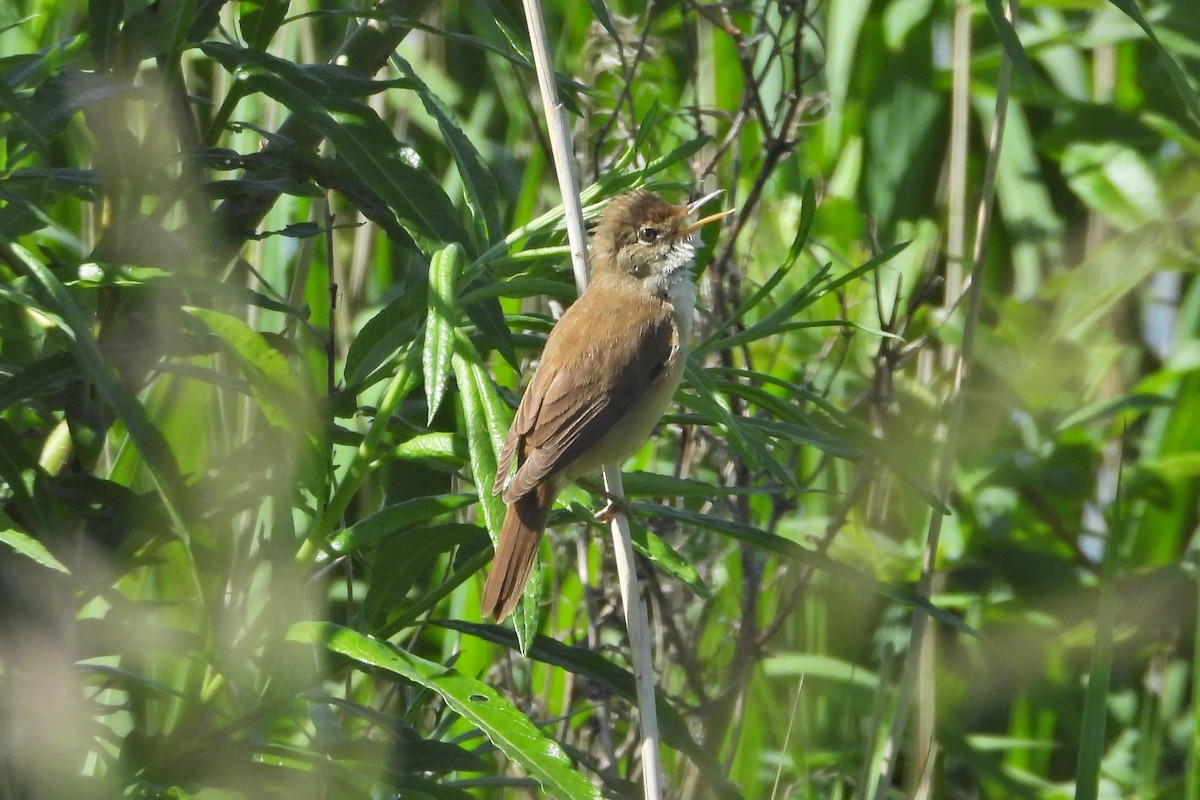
x: 280, y: 395
x: 522, y: 287
x: 12, y: 535
x: 475, y: 701
x: 440, y: 323
x: 619, y: 682
x: 789, y: 549
x: 1115, y: 181
x: 1178, y: 78
x: 487, y: 418
x: 384, y: 335
x: 652, y: 484
x: 406, y: 557
x: 322, y: 81
x: 258, y: 20
x: 365, y: 142
x: 843, y: 30
x: 1109, y: 408
x: 483, y: 196
x: 749, y: 448
x: 806, y: 665
x: 395, y: 518
x: 1011, y: 42
x: 38, y: 377
x: 600, y: 10
x: 104, y: 28
x: 662, y: 555
x: 808, y: 213
x: 444, y: 446
x: 72, y: 322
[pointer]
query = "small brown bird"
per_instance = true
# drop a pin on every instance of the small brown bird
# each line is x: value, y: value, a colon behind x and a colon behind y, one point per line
x: 609, y: 370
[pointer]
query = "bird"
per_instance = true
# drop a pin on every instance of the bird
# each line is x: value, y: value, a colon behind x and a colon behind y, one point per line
x: 609, y: 370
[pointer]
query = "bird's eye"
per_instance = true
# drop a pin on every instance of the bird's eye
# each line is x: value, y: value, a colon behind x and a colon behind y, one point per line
x: 647, y: 235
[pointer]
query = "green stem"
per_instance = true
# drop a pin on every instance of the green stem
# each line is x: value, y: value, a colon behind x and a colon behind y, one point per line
x: 403, y: 382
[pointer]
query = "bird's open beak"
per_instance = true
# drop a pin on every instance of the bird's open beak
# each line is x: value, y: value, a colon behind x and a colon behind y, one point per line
x: 700, y: 223
x: 695, y: 206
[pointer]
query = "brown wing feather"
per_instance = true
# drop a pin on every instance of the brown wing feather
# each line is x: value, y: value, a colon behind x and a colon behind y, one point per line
x: 565, y: 413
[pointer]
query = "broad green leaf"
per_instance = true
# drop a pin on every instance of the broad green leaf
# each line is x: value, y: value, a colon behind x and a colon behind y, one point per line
x: 1105, y: 409
x: 652, y: 484
x: 487, y: 418
x: 1115, y: 181
x: 475, y: 701
x: 844, y: 27
x: 521, y: 287
x: 337, y: 175
x: 446, y: 446
x: 1023, y: 200
x: 1176, y: 466
x: 392, y: 170
x: 788, y: 665
x: 104, y: 28
x: 322, y: 81
x: 440, y: 323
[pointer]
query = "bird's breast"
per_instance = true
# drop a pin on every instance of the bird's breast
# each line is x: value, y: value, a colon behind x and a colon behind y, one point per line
x: 644, y: 411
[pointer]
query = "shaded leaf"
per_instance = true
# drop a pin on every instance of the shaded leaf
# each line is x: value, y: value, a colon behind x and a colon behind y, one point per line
x: 395, y: 518
x: 473, y: 700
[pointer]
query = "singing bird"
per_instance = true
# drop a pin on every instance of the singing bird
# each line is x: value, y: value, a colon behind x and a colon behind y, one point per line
x: 609, y: 370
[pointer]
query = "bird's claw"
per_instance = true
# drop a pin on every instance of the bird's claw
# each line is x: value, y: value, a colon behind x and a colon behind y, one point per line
x: 614, y: 505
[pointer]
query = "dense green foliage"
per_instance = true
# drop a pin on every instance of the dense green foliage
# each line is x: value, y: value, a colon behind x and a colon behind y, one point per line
x: 270, y: 275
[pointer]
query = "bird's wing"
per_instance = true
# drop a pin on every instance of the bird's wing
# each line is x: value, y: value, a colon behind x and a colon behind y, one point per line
x: 567, y: 410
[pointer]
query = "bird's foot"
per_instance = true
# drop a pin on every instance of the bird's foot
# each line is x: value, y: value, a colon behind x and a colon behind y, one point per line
x: 614, y: 505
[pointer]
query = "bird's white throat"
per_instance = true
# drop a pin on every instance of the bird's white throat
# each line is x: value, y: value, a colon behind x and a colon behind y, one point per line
x: 674, y: 281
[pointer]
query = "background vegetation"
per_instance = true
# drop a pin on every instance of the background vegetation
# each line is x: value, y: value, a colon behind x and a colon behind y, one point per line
x: 272, y: 272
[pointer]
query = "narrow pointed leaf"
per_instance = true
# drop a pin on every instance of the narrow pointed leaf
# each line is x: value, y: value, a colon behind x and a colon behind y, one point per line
x: 12, y: 535
x: 440, y: 323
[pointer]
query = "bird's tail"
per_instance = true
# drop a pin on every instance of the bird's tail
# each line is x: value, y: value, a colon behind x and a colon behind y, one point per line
x: 524, y: 522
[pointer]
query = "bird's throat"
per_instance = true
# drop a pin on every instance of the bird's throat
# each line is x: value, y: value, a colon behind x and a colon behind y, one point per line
x: 681, y: 294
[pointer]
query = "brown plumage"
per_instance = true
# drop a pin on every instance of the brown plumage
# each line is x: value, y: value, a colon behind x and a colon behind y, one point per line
x: 609, y: 370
